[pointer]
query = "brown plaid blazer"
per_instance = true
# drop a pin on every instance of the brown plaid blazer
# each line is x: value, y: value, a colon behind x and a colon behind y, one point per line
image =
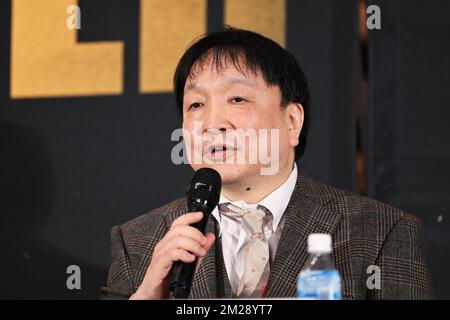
x: 365, y: 232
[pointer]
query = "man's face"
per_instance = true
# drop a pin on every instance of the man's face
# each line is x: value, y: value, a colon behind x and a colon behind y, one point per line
x: 221, y: 107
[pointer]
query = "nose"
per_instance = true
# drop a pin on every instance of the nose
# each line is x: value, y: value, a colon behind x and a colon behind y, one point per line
x: 216, y: 119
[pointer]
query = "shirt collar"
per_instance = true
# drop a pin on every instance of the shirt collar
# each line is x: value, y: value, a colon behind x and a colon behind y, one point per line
x: 277, y: 201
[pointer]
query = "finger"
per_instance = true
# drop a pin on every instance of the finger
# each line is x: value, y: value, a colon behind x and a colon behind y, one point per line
x: 210, y: 238
x: 188, y: 232
x: 186, y: 244
x: 164, y: 262
x: 181, y: 255
x: 171, y: 241
x: 188, y: 218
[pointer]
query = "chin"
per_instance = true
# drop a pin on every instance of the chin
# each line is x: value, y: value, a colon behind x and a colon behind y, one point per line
x: 232, y: 173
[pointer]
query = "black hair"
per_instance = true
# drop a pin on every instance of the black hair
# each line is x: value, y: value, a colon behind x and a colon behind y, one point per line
x: 277, y: 66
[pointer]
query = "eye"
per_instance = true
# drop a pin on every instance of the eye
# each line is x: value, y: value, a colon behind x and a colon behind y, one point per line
x: 237, y: 100
x: 195, y: 105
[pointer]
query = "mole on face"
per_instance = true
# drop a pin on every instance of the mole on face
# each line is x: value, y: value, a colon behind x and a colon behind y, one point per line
x: 247, y: 189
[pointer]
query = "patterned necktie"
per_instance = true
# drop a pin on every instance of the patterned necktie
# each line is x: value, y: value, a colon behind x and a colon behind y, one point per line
x: 255, y: 248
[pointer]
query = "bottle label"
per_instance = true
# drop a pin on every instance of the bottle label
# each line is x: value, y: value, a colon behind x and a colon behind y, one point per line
x: 319, y: 285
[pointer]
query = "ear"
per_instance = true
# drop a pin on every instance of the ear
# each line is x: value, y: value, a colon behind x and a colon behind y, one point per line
x: 296, y: 118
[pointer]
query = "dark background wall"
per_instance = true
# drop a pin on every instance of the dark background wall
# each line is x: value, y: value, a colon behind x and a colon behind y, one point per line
x: 409, y: 121
x: 72, y: 167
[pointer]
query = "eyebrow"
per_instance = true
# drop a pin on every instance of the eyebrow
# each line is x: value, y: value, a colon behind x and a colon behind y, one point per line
x: 194, y: 85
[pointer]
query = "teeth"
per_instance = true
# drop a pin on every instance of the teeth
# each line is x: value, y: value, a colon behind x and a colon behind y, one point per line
x: 215, y: 149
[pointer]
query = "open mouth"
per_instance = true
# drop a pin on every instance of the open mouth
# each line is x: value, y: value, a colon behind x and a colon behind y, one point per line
x: 219, y: 152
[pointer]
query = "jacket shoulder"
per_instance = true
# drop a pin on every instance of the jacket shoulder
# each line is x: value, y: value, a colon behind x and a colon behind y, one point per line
x: 153, y: 224
x: 360, y: 210
x: 372, y: 233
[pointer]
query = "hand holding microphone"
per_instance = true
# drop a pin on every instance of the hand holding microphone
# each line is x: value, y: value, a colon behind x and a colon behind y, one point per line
x: 175, y: 257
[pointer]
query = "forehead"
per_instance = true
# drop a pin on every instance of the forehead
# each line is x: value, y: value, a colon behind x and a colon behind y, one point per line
x: 229, y: 70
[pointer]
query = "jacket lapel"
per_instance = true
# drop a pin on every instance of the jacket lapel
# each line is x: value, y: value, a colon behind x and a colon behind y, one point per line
x: 305, y: 214
x: 211, y: 279
x: 223, y: 283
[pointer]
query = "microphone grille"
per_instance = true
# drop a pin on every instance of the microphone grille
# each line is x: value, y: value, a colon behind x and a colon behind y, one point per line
x: 205, y: 187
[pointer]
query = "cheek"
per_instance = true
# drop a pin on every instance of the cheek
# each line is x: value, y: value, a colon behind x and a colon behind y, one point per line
x: 191, y: 125
x: 190, y: 134
x: 285, y: 141
x: 188, y: 121
x: 187, y: 125
x: 282, y: 137
x: 285, y: 135
x: 252, y: 119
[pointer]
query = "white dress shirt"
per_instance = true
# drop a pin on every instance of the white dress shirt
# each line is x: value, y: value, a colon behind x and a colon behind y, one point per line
x: 233, y: 235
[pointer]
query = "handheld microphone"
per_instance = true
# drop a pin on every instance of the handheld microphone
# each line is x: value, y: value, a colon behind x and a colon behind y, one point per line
x: 202, y: 195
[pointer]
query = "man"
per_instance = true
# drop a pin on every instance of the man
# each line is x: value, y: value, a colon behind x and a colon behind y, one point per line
x: 236, y: 80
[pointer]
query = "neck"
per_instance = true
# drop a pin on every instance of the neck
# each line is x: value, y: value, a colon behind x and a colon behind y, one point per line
x: 254, y: 189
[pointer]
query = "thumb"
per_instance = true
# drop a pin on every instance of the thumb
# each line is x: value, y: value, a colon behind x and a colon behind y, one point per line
x: 210, y: 238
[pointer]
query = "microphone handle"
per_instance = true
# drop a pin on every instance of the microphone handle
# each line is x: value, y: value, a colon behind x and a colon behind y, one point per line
x: 183, y: 273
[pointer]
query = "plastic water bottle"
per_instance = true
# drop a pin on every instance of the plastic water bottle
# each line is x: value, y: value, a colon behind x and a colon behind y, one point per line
x: 319, y: 279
